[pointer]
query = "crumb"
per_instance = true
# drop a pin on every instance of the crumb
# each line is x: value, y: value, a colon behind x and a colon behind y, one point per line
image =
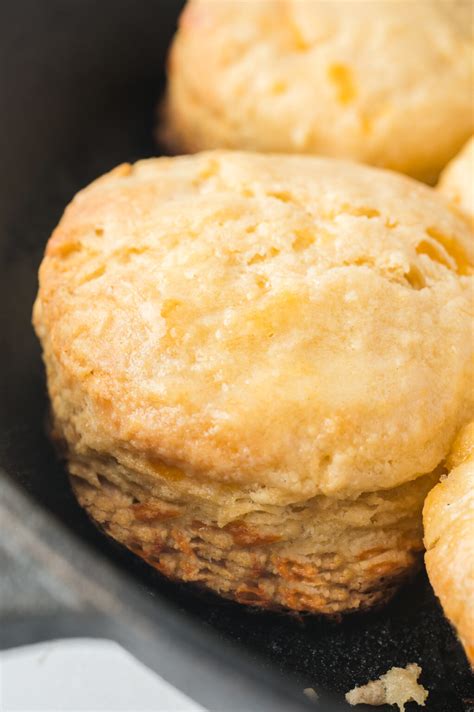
x: 396, y: 687
x: 311, y: 694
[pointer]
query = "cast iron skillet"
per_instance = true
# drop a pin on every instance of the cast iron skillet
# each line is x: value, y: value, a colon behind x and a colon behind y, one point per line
x: 78, y: 84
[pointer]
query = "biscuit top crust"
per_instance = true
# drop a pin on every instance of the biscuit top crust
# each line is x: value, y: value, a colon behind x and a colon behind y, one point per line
x: 387, y: 83
x: 289, y: 323
x: 457, y: 181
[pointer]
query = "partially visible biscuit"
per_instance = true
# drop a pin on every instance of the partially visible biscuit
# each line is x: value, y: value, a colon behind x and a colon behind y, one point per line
x: 457, y: 181
x: 256, y: 364
x: 334, y: 78
x: 448, y: 518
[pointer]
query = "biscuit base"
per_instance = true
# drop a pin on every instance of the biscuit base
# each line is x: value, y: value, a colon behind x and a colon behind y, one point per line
x: 279, y: 559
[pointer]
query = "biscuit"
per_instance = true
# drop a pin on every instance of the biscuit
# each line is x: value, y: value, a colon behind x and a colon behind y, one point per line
x: 457, y: 181
x: 256, y: 364
x: 448, y: 518
x: 334, y: 78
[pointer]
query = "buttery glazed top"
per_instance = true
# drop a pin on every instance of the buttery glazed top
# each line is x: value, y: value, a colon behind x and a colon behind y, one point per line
x: 273, y: 321
x: 387, y: 83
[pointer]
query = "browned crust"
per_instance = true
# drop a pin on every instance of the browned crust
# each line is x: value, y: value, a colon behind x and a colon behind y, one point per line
x: 255, y: 565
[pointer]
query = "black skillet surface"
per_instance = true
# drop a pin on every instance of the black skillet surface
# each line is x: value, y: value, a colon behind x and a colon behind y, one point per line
x: 78, y: 86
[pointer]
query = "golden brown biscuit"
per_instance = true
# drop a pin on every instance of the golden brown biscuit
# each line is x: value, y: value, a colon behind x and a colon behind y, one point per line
x: 389, y: 85
x: 255, y: 363
x: 448, y: 517
x: 457, y: 181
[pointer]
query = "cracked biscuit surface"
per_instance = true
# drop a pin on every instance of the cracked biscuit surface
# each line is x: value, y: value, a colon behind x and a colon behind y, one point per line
x: 255, y: 363
x: 334, y: 78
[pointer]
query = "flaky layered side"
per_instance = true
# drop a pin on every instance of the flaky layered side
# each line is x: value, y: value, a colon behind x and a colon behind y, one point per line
x: 321, y: 555
x: 255, y: 346
x: 448, y: 518
x: 326, y: 78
